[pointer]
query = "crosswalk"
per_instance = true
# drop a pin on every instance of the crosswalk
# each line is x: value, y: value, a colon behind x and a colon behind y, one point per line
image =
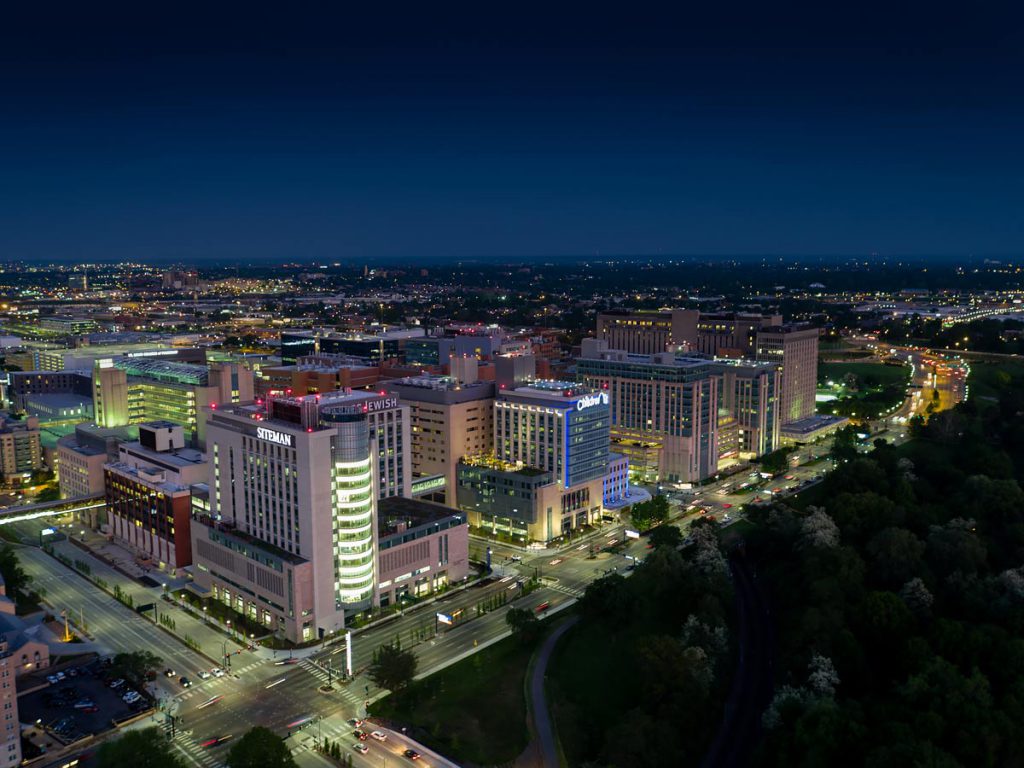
x: 571, y: 591
x: 204, y: 687
x: 322, y: 675
x: 193, y: 752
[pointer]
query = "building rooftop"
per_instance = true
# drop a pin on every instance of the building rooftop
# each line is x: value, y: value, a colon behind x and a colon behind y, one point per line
x: 176, y: 457
x: 163, y: 370
x: 151, y: 477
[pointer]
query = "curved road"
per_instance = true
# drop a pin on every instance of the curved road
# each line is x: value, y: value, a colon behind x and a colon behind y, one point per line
x: 751, y: 691
x: 543, y: 725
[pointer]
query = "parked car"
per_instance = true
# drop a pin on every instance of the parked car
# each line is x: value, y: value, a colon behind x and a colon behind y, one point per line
x: 117, y: 683
x: 84, y: 704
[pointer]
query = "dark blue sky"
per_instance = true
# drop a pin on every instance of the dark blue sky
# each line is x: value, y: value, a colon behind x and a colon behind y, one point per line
x: 318, y: 131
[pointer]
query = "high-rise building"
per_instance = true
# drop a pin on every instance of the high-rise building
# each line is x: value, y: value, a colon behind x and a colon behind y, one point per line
x: 149, y: 502
x: 663, y: 410
x: 20, y: 451
x: 285, y: 531
x: 728, y: 334
x: 554, y: 425
x: 794, y: 349
x: 135, y: 390
x: 677, y: 417
x: 10, y: 736
x: 546, y: 475
x: 448, y: 420
x: 81, y: 456
x: 646, y: 332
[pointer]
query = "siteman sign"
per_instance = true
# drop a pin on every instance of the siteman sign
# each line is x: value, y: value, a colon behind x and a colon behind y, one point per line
x: 273, y: 436
x: 601, y: 398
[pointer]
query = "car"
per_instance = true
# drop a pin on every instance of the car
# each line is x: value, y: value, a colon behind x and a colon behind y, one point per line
x: 361, y: 735
x: 72, y: 672
x: 184, y: 682
x: 169, y: 672
x: 90, y: 710
x: 216, y: 741
x: 542, y: 607
x: 204, y: 675
x: 727, y: 506
x: 52, y: 679
x: 361, y: 748
x: 131, y: 697
x: 355, y: 722
x: 117, y: 683
x: 516, y: 558
x: 217, y: 672
x: 412, y: 754
x: 84, y: 704
x: 789, y: 477
x: 379, y: 736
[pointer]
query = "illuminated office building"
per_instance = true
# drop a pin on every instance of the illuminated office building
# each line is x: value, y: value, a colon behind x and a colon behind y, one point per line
x: 135, y: 390
x: 285, y: 531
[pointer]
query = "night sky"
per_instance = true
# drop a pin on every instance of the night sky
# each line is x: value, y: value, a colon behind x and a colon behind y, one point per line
x: 435, y: 130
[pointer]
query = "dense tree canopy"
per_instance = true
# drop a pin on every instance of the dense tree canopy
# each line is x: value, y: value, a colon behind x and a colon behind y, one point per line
x: 393, y: 668
x: 260, y: 748
x: 898, y: 591
x: 139, y: 749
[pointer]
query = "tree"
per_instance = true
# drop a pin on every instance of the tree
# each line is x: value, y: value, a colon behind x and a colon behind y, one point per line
x: 16, y: 581
x: 260, y: 748
x: 393, y: 668
x: 777, y: 461
x: 895, y: 555
x: 139, y: 749
x: 666, y: 536
x: 647, y: 514
x: 844, y: 446
x: 522, y: 622
x: 136, y: 665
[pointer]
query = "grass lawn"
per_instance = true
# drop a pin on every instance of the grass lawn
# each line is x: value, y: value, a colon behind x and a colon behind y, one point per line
x: 987, y: 380
x: 878, y: 389
x: 587, y: 682
x: 878, y: 372
x: 473, y: 711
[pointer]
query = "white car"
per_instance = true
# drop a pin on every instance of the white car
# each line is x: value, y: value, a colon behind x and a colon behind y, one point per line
x: 361, y: 748
x: 379, y: 736
x: 204, y: 675
x: 217, y: 672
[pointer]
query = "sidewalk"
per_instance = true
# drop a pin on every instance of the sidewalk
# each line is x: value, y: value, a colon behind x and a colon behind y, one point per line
x: 208, y: 639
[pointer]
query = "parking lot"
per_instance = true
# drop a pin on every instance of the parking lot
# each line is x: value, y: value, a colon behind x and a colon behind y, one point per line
x: 82, y: 703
